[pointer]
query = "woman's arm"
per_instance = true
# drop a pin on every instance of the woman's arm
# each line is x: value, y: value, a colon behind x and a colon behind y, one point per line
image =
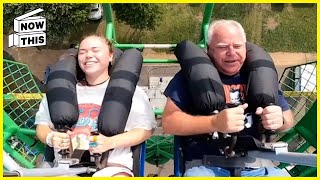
x: 52, y: 138
x: 126, y: 139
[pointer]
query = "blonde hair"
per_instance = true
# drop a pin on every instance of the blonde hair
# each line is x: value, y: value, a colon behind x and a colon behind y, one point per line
x: 231, y: 23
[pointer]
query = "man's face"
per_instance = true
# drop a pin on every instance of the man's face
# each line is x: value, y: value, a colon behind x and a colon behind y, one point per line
x: 94, y: 56
x: 227, y: 50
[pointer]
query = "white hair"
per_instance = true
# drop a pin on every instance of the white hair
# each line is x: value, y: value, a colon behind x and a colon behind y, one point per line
x: 231, y: 23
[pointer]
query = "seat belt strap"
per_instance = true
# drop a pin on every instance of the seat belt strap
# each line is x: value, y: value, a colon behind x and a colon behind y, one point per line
x: 235, y: 172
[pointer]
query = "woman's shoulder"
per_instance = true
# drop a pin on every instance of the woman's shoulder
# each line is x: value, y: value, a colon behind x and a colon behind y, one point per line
x: 139, y: 91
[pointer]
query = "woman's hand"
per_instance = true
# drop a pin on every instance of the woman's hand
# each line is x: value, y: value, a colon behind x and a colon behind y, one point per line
x: 59, y: 140
x: 102, y: 142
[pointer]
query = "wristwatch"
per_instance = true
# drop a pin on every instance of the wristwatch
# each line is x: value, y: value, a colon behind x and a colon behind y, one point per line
x: 49, y: 139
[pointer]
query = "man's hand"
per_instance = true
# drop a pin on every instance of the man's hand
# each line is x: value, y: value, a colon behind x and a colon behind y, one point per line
x: 271, y: 117
x: 231, y: 120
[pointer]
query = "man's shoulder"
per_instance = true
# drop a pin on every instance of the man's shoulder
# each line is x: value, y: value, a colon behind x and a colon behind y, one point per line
x: 179, y: 75
x: 178, y: 79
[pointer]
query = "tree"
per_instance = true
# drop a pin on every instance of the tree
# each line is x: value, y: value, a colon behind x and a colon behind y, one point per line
x: 62, y: 19
x: 137, y: 15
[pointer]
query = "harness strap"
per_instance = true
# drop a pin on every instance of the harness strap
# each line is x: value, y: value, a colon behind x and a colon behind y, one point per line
x: 100, y: 162
x: 77, y: 153
x: 235, y: 172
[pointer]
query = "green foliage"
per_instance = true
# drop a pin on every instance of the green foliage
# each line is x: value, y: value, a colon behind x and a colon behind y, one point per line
x: 62, y: 19
x: 138, y: 16
x: 231, y: 11
x: 178, y: 24
x: 296, y: 32
x: 276, y: 27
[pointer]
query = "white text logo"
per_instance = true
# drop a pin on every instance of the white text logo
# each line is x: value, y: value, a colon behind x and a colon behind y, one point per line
x: 29, y: 30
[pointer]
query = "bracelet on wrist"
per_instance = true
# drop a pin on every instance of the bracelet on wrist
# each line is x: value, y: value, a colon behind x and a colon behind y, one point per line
x: 49, y: 139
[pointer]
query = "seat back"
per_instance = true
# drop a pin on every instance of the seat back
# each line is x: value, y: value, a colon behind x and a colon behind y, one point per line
x: 179, y: 167
x: 139, y: 154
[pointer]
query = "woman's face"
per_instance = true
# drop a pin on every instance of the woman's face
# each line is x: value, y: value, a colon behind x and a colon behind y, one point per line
x: 94, y: 56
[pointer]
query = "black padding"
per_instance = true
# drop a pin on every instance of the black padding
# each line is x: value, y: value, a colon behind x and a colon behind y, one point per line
x: 48, y: 154
x: 116, y: 55
x: 117, y: 100
x: 262, y: 86
x: 61, y: 91
x: 203, y: 79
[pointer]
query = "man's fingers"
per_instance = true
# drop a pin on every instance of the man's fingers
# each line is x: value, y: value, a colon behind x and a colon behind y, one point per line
x: 272, y: 109
x: 239, y: 109
x: 238, y: 117
x: 236, y: 129
x: 244, y: 106
x: 239, y: 123
x: 259, y: 111
x: 239, y: 128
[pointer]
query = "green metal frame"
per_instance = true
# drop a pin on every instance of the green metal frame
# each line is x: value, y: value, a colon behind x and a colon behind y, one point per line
x: 158, y: 146
x: 18, y: 136
x: 160, y: 151
x: 111, y: 35
x: 307, y: 129
x: 11, y: 129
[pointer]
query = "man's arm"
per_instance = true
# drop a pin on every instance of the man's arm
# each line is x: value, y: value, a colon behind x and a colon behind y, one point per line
x: 273, y: 118
x: 177, y: 122
x: 288, y: 121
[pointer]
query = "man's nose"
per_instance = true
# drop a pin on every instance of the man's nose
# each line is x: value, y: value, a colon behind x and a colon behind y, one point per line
x: 231, y: 51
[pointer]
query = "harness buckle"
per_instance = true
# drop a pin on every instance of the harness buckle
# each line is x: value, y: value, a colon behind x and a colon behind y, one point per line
x: 67, y: 162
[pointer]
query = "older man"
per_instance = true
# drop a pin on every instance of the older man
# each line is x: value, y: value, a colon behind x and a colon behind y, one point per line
x: 227, y: 50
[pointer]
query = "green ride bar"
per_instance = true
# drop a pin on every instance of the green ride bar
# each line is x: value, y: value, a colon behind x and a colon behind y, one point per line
x: 7, y: 135
x: 154, y: 46
x: 142, y: 46
x: 158, y: 111
x: 151, y: 61
x: 17, y: 156
x: 110, y: 30
x: 205, y: 24
x: 26, y: 131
